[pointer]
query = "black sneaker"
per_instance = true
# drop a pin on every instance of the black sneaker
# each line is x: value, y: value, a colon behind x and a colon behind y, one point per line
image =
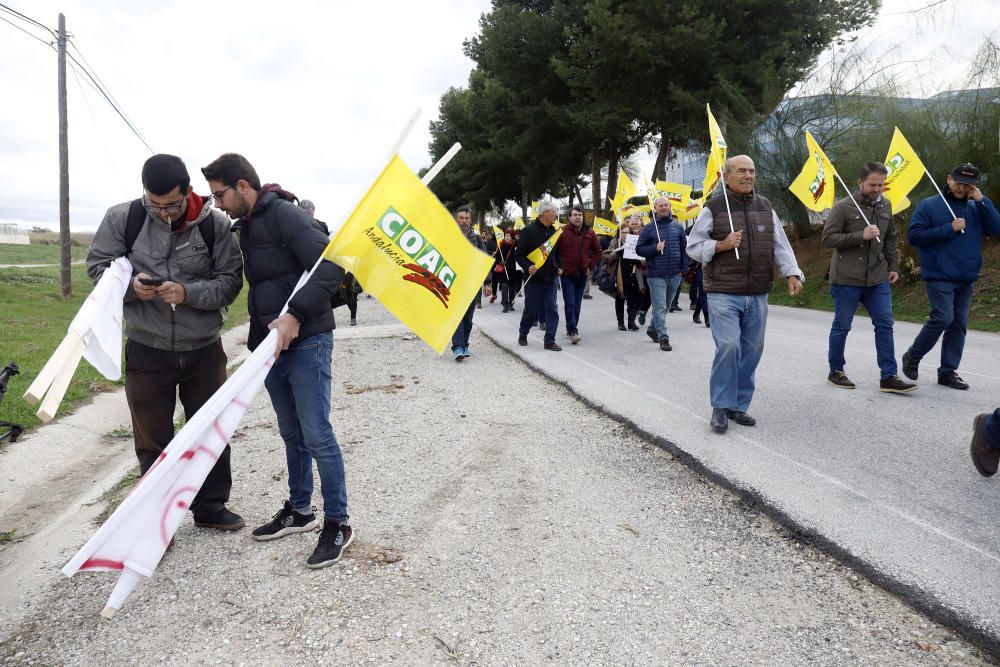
x: 652, y: 335
x: 896, y: 385
x: 840, y: 379
x: 332, y: 541
x: 522, y: 340
x: 910, y: 367
x: 665, y: 344
x: 220, y: 519
x: 285, y: 522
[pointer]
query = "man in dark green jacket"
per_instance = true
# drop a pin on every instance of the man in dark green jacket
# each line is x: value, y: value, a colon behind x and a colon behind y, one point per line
x: 865, y: 263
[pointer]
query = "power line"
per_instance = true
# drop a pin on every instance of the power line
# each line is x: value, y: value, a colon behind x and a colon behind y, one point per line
x: 18, y: 14
x: 107, y: 96
x: 29, y: 34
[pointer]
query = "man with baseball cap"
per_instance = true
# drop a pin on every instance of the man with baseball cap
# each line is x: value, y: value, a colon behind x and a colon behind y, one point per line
x: 948, y: 233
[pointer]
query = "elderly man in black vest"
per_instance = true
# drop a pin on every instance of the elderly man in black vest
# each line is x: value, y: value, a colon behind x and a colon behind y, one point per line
x: 737, y: 286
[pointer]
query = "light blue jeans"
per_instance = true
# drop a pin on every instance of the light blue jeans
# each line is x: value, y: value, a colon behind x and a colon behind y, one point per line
x: 299, y: 386
x: 738, y: 324
x: 661, y: 290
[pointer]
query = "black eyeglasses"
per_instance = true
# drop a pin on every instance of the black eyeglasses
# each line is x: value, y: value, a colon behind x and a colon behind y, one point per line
x: 223, y: 191
x: 169, y: 209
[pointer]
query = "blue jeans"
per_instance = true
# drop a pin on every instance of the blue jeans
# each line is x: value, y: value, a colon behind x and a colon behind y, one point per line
x: 949, y: 316
x: 540, y: 302
x: 877, y: 300
x: 461, y: 336
x: 572, y: 289
x: 738, y: 324
x: 299, y: 386
x: 661, y: 289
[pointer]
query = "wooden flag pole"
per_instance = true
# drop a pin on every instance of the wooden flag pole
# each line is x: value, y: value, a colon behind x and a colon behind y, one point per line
x: 440, y: 164
x: 61, y: 382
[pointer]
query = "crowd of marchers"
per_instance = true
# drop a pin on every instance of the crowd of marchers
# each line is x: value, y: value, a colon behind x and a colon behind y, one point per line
x: 729, y: 257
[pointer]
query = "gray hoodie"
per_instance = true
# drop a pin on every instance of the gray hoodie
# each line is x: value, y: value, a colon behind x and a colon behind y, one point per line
x: 212, y: 283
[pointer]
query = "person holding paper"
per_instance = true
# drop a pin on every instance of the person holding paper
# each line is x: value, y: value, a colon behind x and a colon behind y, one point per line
x: 737, y: 287
x: 187, y: 270
x: 628, y: 274
x: 662, y: 244
x: 948, y: 232
x: 279, y: 242
x: 864, y: 265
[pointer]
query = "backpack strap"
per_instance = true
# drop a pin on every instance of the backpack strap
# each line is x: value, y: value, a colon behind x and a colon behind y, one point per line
x: 133, y: 224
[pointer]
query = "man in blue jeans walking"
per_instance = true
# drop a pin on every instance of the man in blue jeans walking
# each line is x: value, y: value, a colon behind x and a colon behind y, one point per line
x: 950, y: 248
x: 737, y: 287
x: 460, y: 339
x: 279, y: 242
x: 580, y: 253
x: 865, y: 263
x: 662, y: 243
x: 540, y: 285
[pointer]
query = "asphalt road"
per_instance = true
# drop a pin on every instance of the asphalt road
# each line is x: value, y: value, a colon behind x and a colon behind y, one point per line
x: 883, y: 481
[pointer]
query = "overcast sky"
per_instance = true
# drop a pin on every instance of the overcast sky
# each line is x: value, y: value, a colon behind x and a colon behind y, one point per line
x: 313, y: 94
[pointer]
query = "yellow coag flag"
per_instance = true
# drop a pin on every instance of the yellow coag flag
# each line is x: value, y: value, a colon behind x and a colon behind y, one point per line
x: 518, y: 223
x: 905, y: 171
x: 679, y: 196
x: 626, y: 190
x: 713, y: 174
x: 533, y: 209
x: 903, y: 204
x: 604, y: 227
x: 539, y: 255
x: 406, y: 250
x: 814, y: 185
x: 716, y: 154
x: 498, y: 233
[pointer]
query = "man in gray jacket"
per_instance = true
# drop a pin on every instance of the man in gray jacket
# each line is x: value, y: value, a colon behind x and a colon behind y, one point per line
x: 187, y: 269
x: 865, y: 263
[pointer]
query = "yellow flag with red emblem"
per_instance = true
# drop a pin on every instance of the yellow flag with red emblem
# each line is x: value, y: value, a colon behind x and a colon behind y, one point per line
x: 814, y: 185
x: 405, y: 249
x: 905, y: 171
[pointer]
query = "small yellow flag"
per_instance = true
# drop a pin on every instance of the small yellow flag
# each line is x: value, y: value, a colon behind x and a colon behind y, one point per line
x: 716, y: 154
x: 679, y: 195
x: 713, y: 174
x: 518, y: 223
x: 625, y: 191
x: 404, y: 247
x: 539, y: 255
x: 905, y: 171
x: 814, y: 185
x: 604, y: 227
x: 498, y: 233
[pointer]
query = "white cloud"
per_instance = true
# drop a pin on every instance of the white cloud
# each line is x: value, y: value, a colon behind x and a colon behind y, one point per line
x: 312, y: 94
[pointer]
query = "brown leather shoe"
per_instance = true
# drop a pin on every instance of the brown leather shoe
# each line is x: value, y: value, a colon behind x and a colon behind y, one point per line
x: 984, y: 456
x: 553, y: 346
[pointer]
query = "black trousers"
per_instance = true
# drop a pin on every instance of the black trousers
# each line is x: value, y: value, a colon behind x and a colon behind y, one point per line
x: 153, y: 380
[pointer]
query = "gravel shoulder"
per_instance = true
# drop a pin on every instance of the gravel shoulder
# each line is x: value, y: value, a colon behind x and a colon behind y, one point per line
x: 498, y: 520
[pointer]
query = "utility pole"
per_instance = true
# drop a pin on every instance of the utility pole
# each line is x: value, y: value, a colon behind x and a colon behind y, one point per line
x: 64, y: 240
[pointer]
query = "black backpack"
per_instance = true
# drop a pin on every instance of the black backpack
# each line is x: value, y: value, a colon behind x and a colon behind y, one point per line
x: 137, y: 218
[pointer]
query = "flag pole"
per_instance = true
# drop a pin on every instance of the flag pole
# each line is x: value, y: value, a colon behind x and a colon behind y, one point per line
x: 729, y: 211
x: 934, y: 183
x: 856, y: 204
x: 652, y: 213
x: 440, y: 164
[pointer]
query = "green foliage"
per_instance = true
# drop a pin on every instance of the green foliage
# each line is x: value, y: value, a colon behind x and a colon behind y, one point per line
x: 563, y: 86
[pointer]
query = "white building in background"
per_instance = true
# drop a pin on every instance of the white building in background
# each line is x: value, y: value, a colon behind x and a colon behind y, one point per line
x: 12, y: 234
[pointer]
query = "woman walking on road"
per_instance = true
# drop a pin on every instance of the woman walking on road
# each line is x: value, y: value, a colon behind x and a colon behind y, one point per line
x: 628, y: 275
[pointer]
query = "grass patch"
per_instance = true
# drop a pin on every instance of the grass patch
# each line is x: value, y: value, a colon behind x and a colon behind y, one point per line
x: 9, y: 536
x: 909, y: 300
x: 114, y: 496
x: 38, y: 253
x: 34, y: 319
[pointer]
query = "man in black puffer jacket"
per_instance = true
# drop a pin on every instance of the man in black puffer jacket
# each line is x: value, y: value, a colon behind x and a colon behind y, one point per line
x: 279, y: 241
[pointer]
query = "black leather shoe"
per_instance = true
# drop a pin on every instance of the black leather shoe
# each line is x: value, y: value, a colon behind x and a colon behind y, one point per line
x: 719, y: 421
x: 221, y: 519
x: 555, y: 347
x: 522, y: 340
x: 621, y: 326
x: 910, y: 366
x: 741, y: 418
x: 952, y: 380
x: 653, y: 335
